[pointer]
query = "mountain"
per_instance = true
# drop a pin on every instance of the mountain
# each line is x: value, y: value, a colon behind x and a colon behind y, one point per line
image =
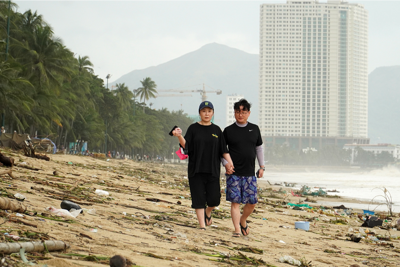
x: 384, y: 105
x: 218, y: 66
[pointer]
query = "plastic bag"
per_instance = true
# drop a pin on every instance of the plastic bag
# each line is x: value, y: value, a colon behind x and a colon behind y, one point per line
x: 101, y: 192
x: 290, y: 260
x: 64, y: 213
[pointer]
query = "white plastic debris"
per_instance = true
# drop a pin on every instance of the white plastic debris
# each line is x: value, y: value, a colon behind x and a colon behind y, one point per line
x: 283, y: 242
x: 64, y: 213
x: 290, y: 260
x: 101, y: 192
x: 19, y: 196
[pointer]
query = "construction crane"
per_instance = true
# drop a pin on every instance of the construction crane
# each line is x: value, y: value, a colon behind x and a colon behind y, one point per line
x: 203, y: 92
x: 172, y: 95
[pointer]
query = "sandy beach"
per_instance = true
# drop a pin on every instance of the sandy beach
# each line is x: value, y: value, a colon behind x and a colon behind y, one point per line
x: 147, y: 219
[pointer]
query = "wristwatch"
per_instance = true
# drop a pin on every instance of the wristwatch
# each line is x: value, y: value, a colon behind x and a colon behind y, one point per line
x: 263, y: 168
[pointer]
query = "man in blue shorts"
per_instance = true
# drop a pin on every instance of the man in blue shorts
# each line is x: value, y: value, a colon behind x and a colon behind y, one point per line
x: 245, y: 144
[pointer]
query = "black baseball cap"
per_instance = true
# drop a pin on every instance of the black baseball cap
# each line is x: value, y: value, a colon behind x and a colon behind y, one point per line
x: 206, y: 104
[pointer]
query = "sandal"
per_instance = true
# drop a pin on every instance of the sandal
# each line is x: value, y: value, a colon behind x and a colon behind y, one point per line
x: 244, y: 228
x: 203, y: 228
x: 236, y: 235
x: 207, y: 220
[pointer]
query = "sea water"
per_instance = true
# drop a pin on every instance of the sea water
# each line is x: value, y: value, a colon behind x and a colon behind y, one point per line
x: 361, y: 185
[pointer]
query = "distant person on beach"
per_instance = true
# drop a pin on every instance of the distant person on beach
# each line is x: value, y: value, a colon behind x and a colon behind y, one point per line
x: 117, y: 261
x: 109, y: 154
x: 245, y: 144
x: 205, y: 145
x: 2, y: 130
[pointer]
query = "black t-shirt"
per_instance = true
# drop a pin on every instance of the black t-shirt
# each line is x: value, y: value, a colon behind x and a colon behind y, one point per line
x: 242, y: 143
x: 205, y: 145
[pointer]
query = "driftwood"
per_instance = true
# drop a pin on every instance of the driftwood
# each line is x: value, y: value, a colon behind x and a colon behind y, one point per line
x: 8, y: 248
x: 139, y: 208
x: 17, y: 220
x: 29, y: 151
x: 61, y: 196
x: 158, y: 200
x: 6, y: 161
x: 7, y: 204
x: 27, y: 167
x: 9, y: 172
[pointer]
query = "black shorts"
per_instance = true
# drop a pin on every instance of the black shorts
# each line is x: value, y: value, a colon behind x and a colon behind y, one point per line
x: 205, y: 190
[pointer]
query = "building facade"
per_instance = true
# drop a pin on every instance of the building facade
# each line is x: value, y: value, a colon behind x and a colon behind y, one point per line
x: 313, y: 69
x: 230, y: 113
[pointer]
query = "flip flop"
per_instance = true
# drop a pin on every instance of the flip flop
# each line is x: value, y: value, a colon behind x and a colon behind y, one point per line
x: 243, y: 228
x: 203, y: 228
x: 236, y: 235
x: 207, y: 220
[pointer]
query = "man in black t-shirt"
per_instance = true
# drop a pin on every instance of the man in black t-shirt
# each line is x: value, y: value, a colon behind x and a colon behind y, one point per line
x: 245, y: 144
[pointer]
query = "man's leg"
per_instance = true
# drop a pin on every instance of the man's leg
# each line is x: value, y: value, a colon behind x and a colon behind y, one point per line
x: 249, y: 197
x: 247, y: 210
x: 233, y: 195
x: 235, y: 214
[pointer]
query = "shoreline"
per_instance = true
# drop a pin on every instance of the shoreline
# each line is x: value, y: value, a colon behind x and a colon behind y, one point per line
x: 357, y: 204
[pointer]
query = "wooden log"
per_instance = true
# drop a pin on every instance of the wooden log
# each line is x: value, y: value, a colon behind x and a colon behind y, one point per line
x: 7, y: 204
x: 8, y: 248
x: 6, y: 161
x: 9, y: 172
x: 27, y: 167
x: 17, y: 220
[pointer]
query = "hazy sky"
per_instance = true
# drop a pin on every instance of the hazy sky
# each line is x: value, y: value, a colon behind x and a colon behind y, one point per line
x: 121, y: 36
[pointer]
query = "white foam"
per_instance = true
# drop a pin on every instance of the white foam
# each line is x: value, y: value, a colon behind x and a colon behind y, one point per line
x: 358, y: 185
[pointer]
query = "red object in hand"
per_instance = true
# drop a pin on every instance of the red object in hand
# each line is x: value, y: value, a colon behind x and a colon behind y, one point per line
x: 181, y: 155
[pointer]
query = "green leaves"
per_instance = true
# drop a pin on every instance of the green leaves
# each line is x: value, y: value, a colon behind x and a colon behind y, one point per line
x: 44, y: 88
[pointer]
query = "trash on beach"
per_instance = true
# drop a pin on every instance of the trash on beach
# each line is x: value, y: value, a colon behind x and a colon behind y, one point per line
x: 372, y: 221
x: 63, y: 213
x: 290, y: 260
x: 284, y: 226
x: 20, y: 197
x: 283, y: 242
x: 70, y: 163
x: 302, y: 225
x: 355, y: 238
x: 299, y: 205
x: 68, y: 205
x: 306, y: 191
x: 14, y: 237
x: 369, y: 212
x: 7, y: 204
x: 101, y: 192
x: 289, y: 184
x: 341, y: 207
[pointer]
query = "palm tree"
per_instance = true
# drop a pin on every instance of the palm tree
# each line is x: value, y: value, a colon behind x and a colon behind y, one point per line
x: 148, y: 90
x: 123, y: 95
x: 85, y: 65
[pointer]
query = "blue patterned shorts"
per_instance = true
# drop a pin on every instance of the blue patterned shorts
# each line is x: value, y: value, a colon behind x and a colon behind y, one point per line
x: 241, y: 189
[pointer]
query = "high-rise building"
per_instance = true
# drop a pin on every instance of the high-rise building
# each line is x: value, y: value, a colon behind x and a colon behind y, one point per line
x: 230, y: 113
x: 313, y: 69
